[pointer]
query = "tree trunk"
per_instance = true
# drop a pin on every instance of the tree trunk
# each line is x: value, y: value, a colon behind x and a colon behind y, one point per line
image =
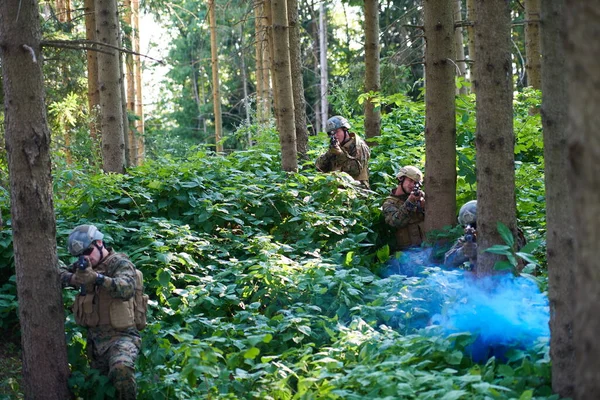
x: 263, y: 78
x: 323, y: 63
x: 41, y: 311
x: 460, y: 47
x: 440, y: 119
x: 494, y: 139
x: 282, y: 76
x: 139, y: 104
x: 560, y: 231
x: 130, y: 144
x: 533, y: 43
x: 583, y: 77
x: 92, y: 70
x: 297, y: 83
x: 109, y: 77
x: 244, y: 79
x: 372, y: 80
x: 214, y: 58
x: 471, y: 37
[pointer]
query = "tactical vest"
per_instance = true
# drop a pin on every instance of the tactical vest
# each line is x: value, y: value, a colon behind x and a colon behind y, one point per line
x: 98, y: 308
x: 412, y: 234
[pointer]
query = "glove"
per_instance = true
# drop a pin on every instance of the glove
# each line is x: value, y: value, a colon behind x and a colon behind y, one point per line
x: 85, y: 277
x: 469, y: 250
x: 336, y: 150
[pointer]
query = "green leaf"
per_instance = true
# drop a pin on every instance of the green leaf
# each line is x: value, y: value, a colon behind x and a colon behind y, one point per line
x: 502, y: 265
x: 251, y: 353
x: 499, y: 249
x: 526, y: 395
x: 383, y: 253
x: 506, y: 234
x: 454, y: 395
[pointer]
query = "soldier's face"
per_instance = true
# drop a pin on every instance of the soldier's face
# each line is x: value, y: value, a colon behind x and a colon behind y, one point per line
x: 408, y: 185
x: 94, y: 255
x: 340, y: 135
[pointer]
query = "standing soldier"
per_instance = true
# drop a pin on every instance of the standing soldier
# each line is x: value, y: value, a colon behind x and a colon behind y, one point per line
x: 107, y: 282
x: 347, y: 152
x: 404, y: 209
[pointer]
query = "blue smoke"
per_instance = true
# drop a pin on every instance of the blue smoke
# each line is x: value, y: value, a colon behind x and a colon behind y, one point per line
x: 501, y: 311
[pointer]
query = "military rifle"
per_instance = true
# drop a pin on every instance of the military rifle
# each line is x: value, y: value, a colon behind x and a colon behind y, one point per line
x: 470, y: 234
x: 333, y: 142
x: 82, y: 264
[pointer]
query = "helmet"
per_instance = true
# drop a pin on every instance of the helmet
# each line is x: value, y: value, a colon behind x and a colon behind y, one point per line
x: 468, y: 213
x: 411, y: 172
x: 82, y: 237
x: 336, y: 122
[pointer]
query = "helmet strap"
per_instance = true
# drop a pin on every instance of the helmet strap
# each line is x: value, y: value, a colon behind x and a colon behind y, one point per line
x: 346, y: 137
x: 100, y: 248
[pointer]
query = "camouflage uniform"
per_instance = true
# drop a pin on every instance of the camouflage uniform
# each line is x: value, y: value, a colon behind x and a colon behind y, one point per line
x: 455, y: 257
x: 113, y: 352
x: 354, y: 160
x: 407, y: 218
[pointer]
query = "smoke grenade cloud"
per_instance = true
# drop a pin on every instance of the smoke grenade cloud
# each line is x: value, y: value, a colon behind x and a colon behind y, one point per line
x: 502, y: 311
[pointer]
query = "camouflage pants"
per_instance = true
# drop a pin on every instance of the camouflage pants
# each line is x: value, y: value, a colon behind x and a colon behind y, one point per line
x: 115, y: 358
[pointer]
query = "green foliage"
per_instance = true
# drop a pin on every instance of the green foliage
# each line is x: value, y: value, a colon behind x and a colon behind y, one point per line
x: 265, y: 284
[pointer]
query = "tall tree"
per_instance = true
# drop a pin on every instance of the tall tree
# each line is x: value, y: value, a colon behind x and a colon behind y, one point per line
x: 297, y: 83
x: 494, y: 139
x: 263, y: 77
x: 130, y: 140
x: 440, y: 119
x: 323, y: 63
x: 471, y: 35
x: 109, y: 78
x: 214, y: 51
x: 92, y: 69
x: 282, y: 75
x: 533, y: 43
x: 137, y: 68
x: 460, y: 46
x: 560, y: 249
x: 372, y: 76
x: 583, y: 77
x: 41, y: 311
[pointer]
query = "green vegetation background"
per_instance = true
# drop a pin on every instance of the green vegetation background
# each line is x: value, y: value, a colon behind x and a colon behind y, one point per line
x: 266, y: 285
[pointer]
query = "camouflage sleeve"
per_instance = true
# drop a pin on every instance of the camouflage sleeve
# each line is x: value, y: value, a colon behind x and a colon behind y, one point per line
x: 123, y: 279
x: 356, y: 159
x: 65, y: 273
x: 395, y: 215
x: 325, y: 162
x: 455, y: 256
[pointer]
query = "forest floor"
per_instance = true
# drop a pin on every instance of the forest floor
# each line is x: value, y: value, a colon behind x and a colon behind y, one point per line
x: 10, y: 370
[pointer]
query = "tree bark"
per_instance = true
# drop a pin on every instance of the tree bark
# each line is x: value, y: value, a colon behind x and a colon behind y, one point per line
x: 533, y: 43
x: 494, y: 138
x: 323, y: 63
x: 372, y: 77
x: 560, y: 251
x: 109, y: 77
x: 471, y: 37
x: 297, y: 83
x: 92, y: 70
x: 214, y: 56
x: 460, y: 47
x: 440, y: 119
x: 583, y: 77
x: 41, y: 311
x: 137, y: 68
x: 282, y: 76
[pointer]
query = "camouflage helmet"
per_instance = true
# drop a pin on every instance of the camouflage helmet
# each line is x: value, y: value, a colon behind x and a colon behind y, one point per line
x: 468, y: 213
x: 82, y: 237
x: 411, y: 172
x: 336, y: 122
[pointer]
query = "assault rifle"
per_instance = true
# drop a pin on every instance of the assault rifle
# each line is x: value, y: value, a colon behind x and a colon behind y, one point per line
x: 470, y: 234
x: 333, y: 142
x: 82, y: 264
x: 417, y: 188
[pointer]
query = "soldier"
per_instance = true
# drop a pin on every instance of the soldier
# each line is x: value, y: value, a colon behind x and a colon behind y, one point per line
x: 107, y: 281
x: 465, y: 248
x: 347, y: 152
x: 404, y: 209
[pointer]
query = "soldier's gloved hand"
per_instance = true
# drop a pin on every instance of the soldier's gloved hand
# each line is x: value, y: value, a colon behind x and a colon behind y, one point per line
x: 85, y: 277
x: 469, y: 250
x: 336, y: 150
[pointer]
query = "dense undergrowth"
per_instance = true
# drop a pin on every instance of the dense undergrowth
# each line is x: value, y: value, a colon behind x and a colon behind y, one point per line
x: 268, y: 285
